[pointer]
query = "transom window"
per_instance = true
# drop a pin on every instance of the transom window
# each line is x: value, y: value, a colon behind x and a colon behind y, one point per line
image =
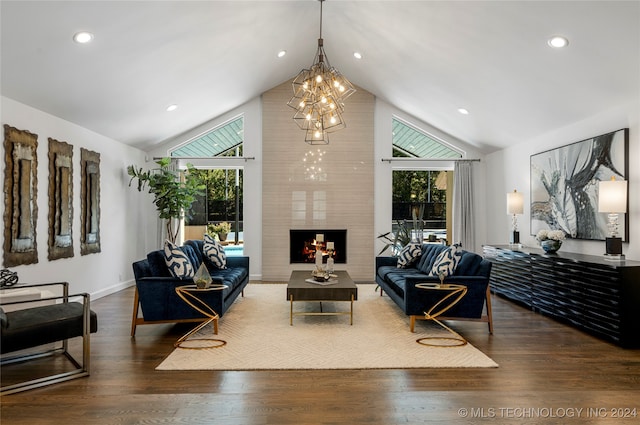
x: 408, y: 141
x: 222, y: 140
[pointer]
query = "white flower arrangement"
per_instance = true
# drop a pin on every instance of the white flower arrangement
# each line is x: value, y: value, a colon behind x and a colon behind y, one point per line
x: 556, y: 235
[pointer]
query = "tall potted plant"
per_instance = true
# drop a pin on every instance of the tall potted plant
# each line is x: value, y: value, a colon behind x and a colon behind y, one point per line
x: 404, y: 234
x: 173, y: 196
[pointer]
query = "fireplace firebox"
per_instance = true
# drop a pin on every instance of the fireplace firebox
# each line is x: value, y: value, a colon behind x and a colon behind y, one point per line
x: 304, y: 243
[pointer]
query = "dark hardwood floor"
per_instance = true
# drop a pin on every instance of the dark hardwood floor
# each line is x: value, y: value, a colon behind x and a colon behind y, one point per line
x: 549, y: 373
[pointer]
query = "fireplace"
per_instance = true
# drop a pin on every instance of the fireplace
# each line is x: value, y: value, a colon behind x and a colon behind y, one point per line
x: 303, y: 245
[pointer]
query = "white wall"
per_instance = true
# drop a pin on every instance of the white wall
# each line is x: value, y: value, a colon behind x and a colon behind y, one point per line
x: 121, y: 213
x: 509, y: 169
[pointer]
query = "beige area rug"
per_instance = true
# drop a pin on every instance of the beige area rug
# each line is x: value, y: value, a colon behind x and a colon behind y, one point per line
x: 259, y: 337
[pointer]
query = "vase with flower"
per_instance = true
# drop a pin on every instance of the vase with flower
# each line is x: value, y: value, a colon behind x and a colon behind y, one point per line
x: 550, y: 240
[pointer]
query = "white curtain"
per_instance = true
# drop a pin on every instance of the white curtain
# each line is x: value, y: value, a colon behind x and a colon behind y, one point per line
x: 463, y: 206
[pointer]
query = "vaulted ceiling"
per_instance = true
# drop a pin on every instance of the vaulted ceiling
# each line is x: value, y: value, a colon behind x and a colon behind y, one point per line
x: 428, y: 58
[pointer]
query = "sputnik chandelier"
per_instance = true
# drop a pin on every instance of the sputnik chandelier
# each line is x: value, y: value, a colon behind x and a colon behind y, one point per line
x: 319, y: 94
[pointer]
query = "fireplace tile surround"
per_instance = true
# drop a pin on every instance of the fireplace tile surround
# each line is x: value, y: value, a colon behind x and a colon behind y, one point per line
x: 336, y: 194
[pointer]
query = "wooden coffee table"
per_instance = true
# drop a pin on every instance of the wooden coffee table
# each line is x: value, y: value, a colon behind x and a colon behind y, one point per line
x: 300, y: 290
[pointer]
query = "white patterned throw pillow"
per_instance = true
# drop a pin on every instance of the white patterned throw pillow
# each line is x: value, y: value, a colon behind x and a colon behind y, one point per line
x: 213, y: 250
x: 177, y: 261
x: 446, y: 262
x: 409, y: 254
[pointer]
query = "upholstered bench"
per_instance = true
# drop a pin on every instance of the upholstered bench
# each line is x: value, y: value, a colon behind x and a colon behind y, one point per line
x: 45, y: 324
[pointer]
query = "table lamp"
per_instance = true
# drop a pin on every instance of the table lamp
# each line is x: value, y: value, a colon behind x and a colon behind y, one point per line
x: 515, y: 205
x: 612, y: 199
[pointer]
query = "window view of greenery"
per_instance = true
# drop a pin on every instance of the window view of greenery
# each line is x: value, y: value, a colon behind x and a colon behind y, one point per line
x: 222, y: 200
x: 421, y: 194
x: 220, y: 207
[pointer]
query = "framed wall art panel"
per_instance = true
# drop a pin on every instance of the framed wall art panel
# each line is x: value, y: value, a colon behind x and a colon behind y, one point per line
x: 90, y: 202
x: 20, y: 197
x: 60, y: 199
x: 564, y: 185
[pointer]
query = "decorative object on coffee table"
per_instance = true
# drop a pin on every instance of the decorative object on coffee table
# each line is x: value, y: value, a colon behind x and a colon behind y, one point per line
x: 320, y: 276
x: 330, y: 260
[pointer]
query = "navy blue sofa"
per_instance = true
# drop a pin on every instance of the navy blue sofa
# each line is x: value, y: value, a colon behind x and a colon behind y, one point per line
x: 155, y: 292
x: 472, y: 271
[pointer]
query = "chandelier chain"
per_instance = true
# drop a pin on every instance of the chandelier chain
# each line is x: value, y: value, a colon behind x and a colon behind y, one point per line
x: 321, y: 1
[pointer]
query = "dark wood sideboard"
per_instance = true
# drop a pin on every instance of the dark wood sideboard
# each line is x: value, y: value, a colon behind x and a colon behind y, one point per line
x: 598, y: 296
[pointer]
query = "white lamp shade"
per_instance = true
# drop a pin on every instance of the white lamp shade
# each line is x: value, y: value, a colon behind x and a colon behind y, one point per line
x: 612, y: 196
x: 515, y: 203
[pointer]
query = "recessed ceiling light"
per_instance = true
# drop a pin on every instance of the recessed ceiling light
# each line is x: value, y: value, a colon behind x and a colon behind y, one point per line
x: 357, y: 55
x: 281, y: 53
x: 463, y: 111
x: 82, y: 37
x: 558, y: 42
x: 172, y: 108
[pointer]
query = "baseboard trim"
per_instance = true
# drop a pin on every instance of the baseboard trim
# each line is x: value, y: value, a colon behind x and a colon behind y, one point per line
x: 112, y: 289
